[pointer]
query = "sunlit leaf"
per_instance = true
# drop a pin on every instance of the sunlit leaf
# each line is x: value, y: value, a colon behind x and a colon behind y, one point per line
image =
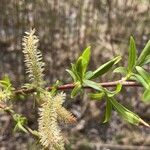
x: 71, y: 74
x: 146, y: 96
x: 132, y: 55
x: 147, y: 60
x: 76, y: 90
x: 92, y: 84
x: 121, y: 70
x: 145, y: 52
x: 126, y: 114
x: 86, y: 58
x: 112, y: 93
x: 145, y: 75
x: 79, y: 67
x: 88, y: 74
x: 108, y: 111
x: 140, y: 79
x: 97, y: 96
x: 74, y: 70
x: 105, y: 67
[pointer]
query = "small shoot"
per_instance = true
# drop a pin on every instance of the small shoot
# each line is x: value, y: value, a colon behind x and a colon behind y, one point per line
x: 20, y: 123
x: 82, y: 77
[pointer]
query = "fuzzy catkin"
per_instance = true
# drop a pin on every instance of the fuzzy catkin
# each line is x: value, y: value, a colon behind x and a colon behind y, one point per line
x: 33, y: 59
x: 50, y: 112
x: 50, y: 135
x: 51, y: 109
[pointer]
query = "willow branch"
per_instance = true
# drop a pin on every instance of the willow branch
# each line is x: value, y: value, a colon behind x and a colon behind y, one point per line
x: 71, y: 86
x: 10, y: 112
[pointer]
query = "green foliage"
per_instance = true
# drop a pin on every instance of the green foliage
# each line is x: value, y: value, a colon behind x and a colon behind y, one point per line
x: 6, y: 89
x: 125, y: 113
x: 132, y: 71
x: 82, y: 77
x: 144, y: 79
x: 108, y: 110
x: 51, y: 110
x: 145, y: 52
x: 97, y: 96
x: 105, y: 67
x: 122, y: 70
x: 20, y: 123
x: 145, y: 75
x: 76, y: 90
x: 132, y: 55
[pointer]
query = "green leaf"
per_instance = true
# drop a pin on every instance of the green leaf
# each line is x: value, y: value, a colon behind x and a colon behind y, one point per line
x: 105, y: 67
x: 121, y: 70
x: 108, y: 111
x: 147, y: 60
x: 92, y: 84
x: 79, y: 67
x: 88, y: 74
x: 82, y: 62
x: 145, y: 52
x: 5, y: 82
x: 74, y: 70
x: 76, y: 89
x: 146, y: 96
x: 71, y: 74
x: 97, y: 96
x: 86, y: 58
x: 140, y: 79
x: 126, y: 114
x: 145, y: 75
x: 112, y: 93
x: 20, y: 122
x: 132, y: 55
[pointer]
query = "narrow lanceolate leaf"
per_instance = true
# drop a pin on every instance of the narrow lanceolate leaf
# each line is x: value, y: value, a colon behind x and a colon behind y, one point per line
x: 126, y: 114
x: 144, y: 54
x: 71, y: 74
x: 140, y: 79
x: 113, y: 93
x: 121, y: 70
x: 97, y: 96
x: 76, y: 90
x: 147, y: 60
x: 82, y: 62
x: 108, y: 111
x: 132, y: 55
x: 88, y: 74
x: 105, y: 67
x: 5, y: 82
x: 74, y: 70
x: 79, y: 67
x: 145, y: 75
x: 146, y: 96
x: 86, y: 58
x: 92, y: 84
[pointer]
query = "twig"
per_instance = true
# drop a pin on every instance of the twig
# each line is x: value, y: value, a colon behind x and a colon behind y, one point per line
x: 71, y: 86
x: 10, y: 113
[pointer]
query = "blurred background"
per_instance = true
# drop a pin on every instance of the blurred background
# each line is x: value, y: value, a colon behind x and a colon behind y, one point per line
x: 65, y: 28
